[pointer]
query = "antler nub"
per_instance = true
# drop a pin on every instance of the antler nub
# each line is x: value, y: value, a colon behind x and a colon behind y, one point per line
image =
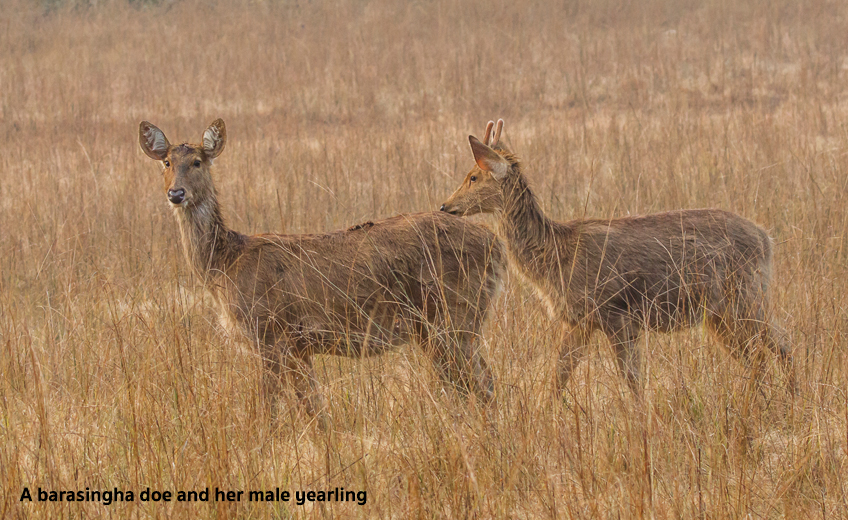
x: 487, y: 135
x: 497, y: 137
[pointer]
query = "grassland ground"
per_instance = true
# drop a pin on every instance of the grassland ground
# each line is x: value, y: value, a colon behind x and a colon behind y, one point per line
x: 114, y: 371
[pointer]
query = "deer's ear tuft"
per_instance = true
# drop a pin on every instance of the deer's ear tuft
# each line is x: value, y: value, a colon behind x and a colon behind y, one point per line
x: 214, y: 139
x: 488, y: 159
x: 153, y: 141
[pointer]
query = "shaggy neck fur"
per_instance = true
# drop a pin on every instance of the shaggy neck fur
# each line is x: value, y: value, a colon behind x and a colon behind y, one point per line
x: 521, y: 221
x: 210, y: 248
x: 540, y: 248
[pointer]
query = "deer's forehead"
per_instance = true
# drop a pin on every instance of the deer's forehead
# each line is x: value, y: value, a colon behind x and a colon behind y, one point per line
x: 186, y: 152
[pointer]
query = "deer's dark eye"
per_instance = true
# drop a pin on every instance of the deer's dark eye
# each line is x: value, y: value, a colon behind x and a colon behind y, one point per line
x: 167, y: 164
x: 197, y: 163
x: 473, y: 178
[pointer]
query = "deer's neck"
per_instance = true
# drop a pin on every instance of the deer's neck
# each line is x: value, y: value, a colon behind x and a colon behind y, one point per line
x: 539, y: 247
x: 521, y: 221
x: 209, y: 246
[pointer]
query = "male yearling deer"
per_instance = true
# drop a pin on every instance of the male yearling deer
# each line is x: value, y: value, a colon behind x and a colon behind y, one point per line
x: 428, y: 278
x: 662, y: 272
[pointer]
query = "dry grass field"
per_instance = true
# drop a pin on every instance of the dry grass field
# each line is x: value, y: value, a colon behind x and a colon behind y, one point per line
x: 114, y: 372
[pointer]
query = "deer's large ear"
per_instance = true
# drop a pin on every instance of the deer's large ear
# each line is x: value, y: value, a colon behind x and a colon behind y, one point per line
x: 214, y: 139
x: 153, y: 141
x: 488, y: 159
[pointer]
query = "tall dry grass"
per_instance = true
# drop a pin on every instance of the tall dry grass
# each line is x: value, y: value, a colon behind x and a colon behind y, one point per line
x: 114, y: 372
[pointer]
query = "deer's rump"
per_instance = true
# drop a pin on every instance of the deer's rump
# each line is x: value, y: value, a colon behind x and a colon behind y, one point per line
x: 362, y: 290
x: 666, y: 269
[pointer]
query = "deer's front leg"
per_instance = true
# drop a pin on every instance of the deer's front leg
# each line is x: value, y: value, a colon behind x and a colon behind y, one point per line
x: 624, y: 336
x: 574, y: 340
x: 295, y: 365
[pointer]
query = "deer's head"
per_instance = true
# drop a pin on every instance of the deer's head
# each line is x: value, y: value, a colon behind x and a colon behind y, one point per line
x: 187, y: 176
x: 480, y: 192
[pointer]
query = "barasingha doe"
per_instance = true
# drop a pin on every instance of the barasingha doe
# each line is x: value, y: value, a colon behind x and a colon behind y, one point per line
x: 662, y: 272
x: 426, y: 278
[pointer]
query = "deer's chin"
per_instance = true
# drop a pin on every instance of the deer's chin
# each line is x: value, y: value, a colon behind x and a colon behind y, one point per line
x: 181, y: 205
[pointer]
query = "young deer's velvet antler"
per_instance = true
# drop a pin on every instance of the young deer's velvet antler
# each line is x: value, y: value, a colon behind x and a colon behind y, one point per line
x: 487, y: 135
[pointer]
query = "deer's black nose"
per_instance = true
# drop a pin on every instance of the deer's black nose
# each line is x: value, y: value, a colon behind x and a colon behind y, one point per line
x: 442, y: 208
x: 176, y: 196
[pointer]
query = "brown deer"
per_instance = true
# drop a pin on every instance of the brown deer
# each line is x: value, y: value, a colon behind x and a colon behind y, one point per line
x: 662, y: 272
x: 428, y: 278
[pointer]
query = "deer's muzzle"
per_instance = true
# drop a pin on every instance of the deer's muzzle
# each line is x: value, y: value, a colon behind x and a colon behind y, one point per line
x: 176, y: 196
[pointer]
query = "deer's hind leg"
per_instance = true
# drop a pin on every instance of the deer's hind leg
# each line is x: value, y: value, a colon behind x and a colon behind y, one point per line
x: 775, y: 339
x: 475, y: 369
x: 459, y: 363
x: 450, y: 336
x: 298, y: 370
x: 742, y: 326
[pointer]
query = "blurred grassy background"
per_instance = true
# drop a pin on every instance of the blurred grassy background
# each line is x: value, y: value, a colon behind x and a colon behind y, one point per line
x: 114, y: 372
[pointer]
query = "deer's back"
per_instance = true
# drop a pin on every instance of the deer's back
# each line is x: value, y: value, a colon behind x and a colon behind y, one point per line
x: 664, y: 266
x: 372, y: 278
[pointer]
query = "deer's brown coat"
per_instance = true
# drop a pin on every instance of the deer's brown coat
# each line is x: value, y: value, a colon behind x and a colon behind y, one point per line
x: 661, y: 272
x: 428, y: 278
